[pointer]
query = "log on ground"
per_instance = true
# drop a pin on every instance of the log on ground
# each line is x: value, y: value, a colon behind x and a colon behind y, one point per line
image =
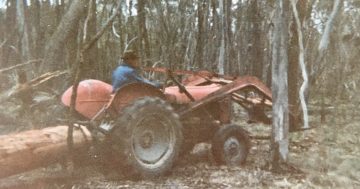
x: 28, y: 150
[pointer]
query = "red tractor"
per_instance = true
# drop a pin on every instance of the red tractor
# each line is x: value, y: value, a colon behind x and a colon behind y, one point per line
x: 146, y: 128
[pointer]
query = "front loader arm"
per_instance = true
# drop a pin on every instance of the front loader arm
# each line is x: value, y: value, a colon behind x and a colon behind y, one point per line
x: 232, y: 87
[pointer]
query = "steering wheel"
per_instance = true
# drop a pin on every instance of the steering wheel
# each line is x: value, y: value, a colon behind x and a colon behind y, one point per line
x: 181, y: 87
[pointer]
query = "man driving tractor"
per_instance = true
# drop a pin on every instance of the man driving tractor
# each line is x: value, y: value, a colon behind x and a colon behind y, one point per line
x: 128, y: 71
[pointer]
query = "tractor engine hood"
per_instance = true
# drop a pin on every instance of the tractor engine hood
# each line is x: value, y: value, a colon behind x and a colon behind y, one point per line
x: 198, y: 92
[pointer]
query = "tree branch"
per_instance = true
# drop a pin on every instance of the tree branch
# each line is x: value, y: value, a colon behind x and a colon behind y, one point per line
x: 129, y: 43
x: 102, y: 30
x: 20, y: 65
x: 114, y: 30
x: 324, y: 42
x: 87, y: 19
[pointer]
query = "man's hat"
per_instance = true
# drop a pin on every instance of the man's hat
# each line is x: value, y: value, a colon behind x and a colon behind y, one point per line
x: 129, y: 55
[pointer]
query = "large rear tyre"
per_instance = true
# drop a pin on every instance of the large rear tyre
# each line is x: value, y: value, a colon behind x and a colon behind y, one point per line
x: 148, y: 136
x: 231, y: 145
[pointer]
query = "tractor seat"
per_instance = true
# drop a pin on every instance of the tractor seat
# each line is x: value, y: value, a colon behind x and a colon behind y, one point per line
x: 174, y: 95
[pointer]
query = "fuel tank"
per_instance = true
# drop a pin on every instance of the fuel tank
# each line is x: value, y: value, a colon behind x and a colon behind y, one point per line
x: 92, y: 95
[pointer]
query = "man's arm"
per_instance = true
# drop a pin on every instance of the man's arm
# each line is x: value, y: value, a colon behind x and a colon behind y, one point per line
x: 133, y: 75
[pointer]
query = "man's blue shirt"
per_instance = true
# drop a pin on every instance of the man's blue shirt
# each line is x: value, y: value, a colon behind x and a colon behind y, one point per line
x: 125, y: 74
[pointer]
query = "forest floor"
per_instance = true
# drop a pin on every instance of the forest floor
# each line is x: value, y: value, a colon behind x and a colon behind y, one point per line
x: 327, y: 156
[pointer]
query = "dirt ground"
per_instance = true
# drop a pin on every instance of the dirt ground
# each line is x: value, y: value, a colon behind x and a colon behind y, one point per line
x: 325, y: 157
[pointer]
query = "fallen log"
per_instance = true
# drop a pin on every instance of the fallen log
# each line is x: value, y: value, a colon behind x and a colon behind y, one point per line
x: 32, y: 149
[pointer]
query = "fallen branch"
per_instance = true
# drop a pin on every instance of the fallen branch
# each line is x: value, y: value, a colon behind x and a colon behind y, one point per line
x: 25, y: 87
x: 38, y: 81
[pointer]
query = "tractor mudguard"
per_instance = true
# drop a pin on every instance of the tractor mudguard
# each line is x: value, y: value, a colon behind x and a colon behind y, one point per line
x: 127, y: 94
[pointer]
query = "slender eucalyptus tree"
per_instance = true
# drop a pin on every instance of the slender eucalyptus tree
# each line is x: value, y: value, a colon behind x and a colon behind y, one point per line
x: 280, y: 126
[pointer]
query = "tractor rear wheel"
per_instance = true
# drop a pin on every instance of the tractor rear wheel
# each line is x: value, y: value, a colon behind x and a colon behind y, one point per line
x: 148, y: 136
x: 231, y: 145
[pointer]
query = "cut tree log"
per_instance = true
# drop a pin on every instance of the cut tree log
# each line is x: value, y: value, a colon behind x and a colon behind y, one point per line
x: 21, y: 152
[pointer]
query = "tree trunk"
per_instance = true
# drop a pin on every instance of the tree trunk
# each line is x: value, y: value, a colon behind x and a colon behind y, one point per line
x: 28, y: 150
x: 213, y: 29
x: 90, y: 70
x: 7, y: 58
x: 301, y: 62
x: 228, y: 35
x: 256, y: 49
x: 200, y: 34
x: 36, y: 31
x: 221, y: 65
x: 59, y: 10
x: 280, y: 126
x: 24, y: 54
x: 317, y: 67
x: 130, y: 34
x: 22, y: 31
x: 143, y: 35
x: 293, y: 76
x: 67, y: 27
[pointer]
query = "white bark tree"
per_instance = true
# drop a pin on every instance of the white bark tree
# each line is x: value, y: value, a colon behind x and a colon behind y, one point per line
x: 221, y: 65
x: 280, y: 126
x: 324, y: 42
x: 318, y: 67
x: 302, y: 65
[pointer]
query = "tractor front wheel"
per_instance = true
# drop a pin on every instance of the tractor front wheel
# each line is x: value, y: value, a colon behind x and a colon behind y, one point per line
x: 231, y: 145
